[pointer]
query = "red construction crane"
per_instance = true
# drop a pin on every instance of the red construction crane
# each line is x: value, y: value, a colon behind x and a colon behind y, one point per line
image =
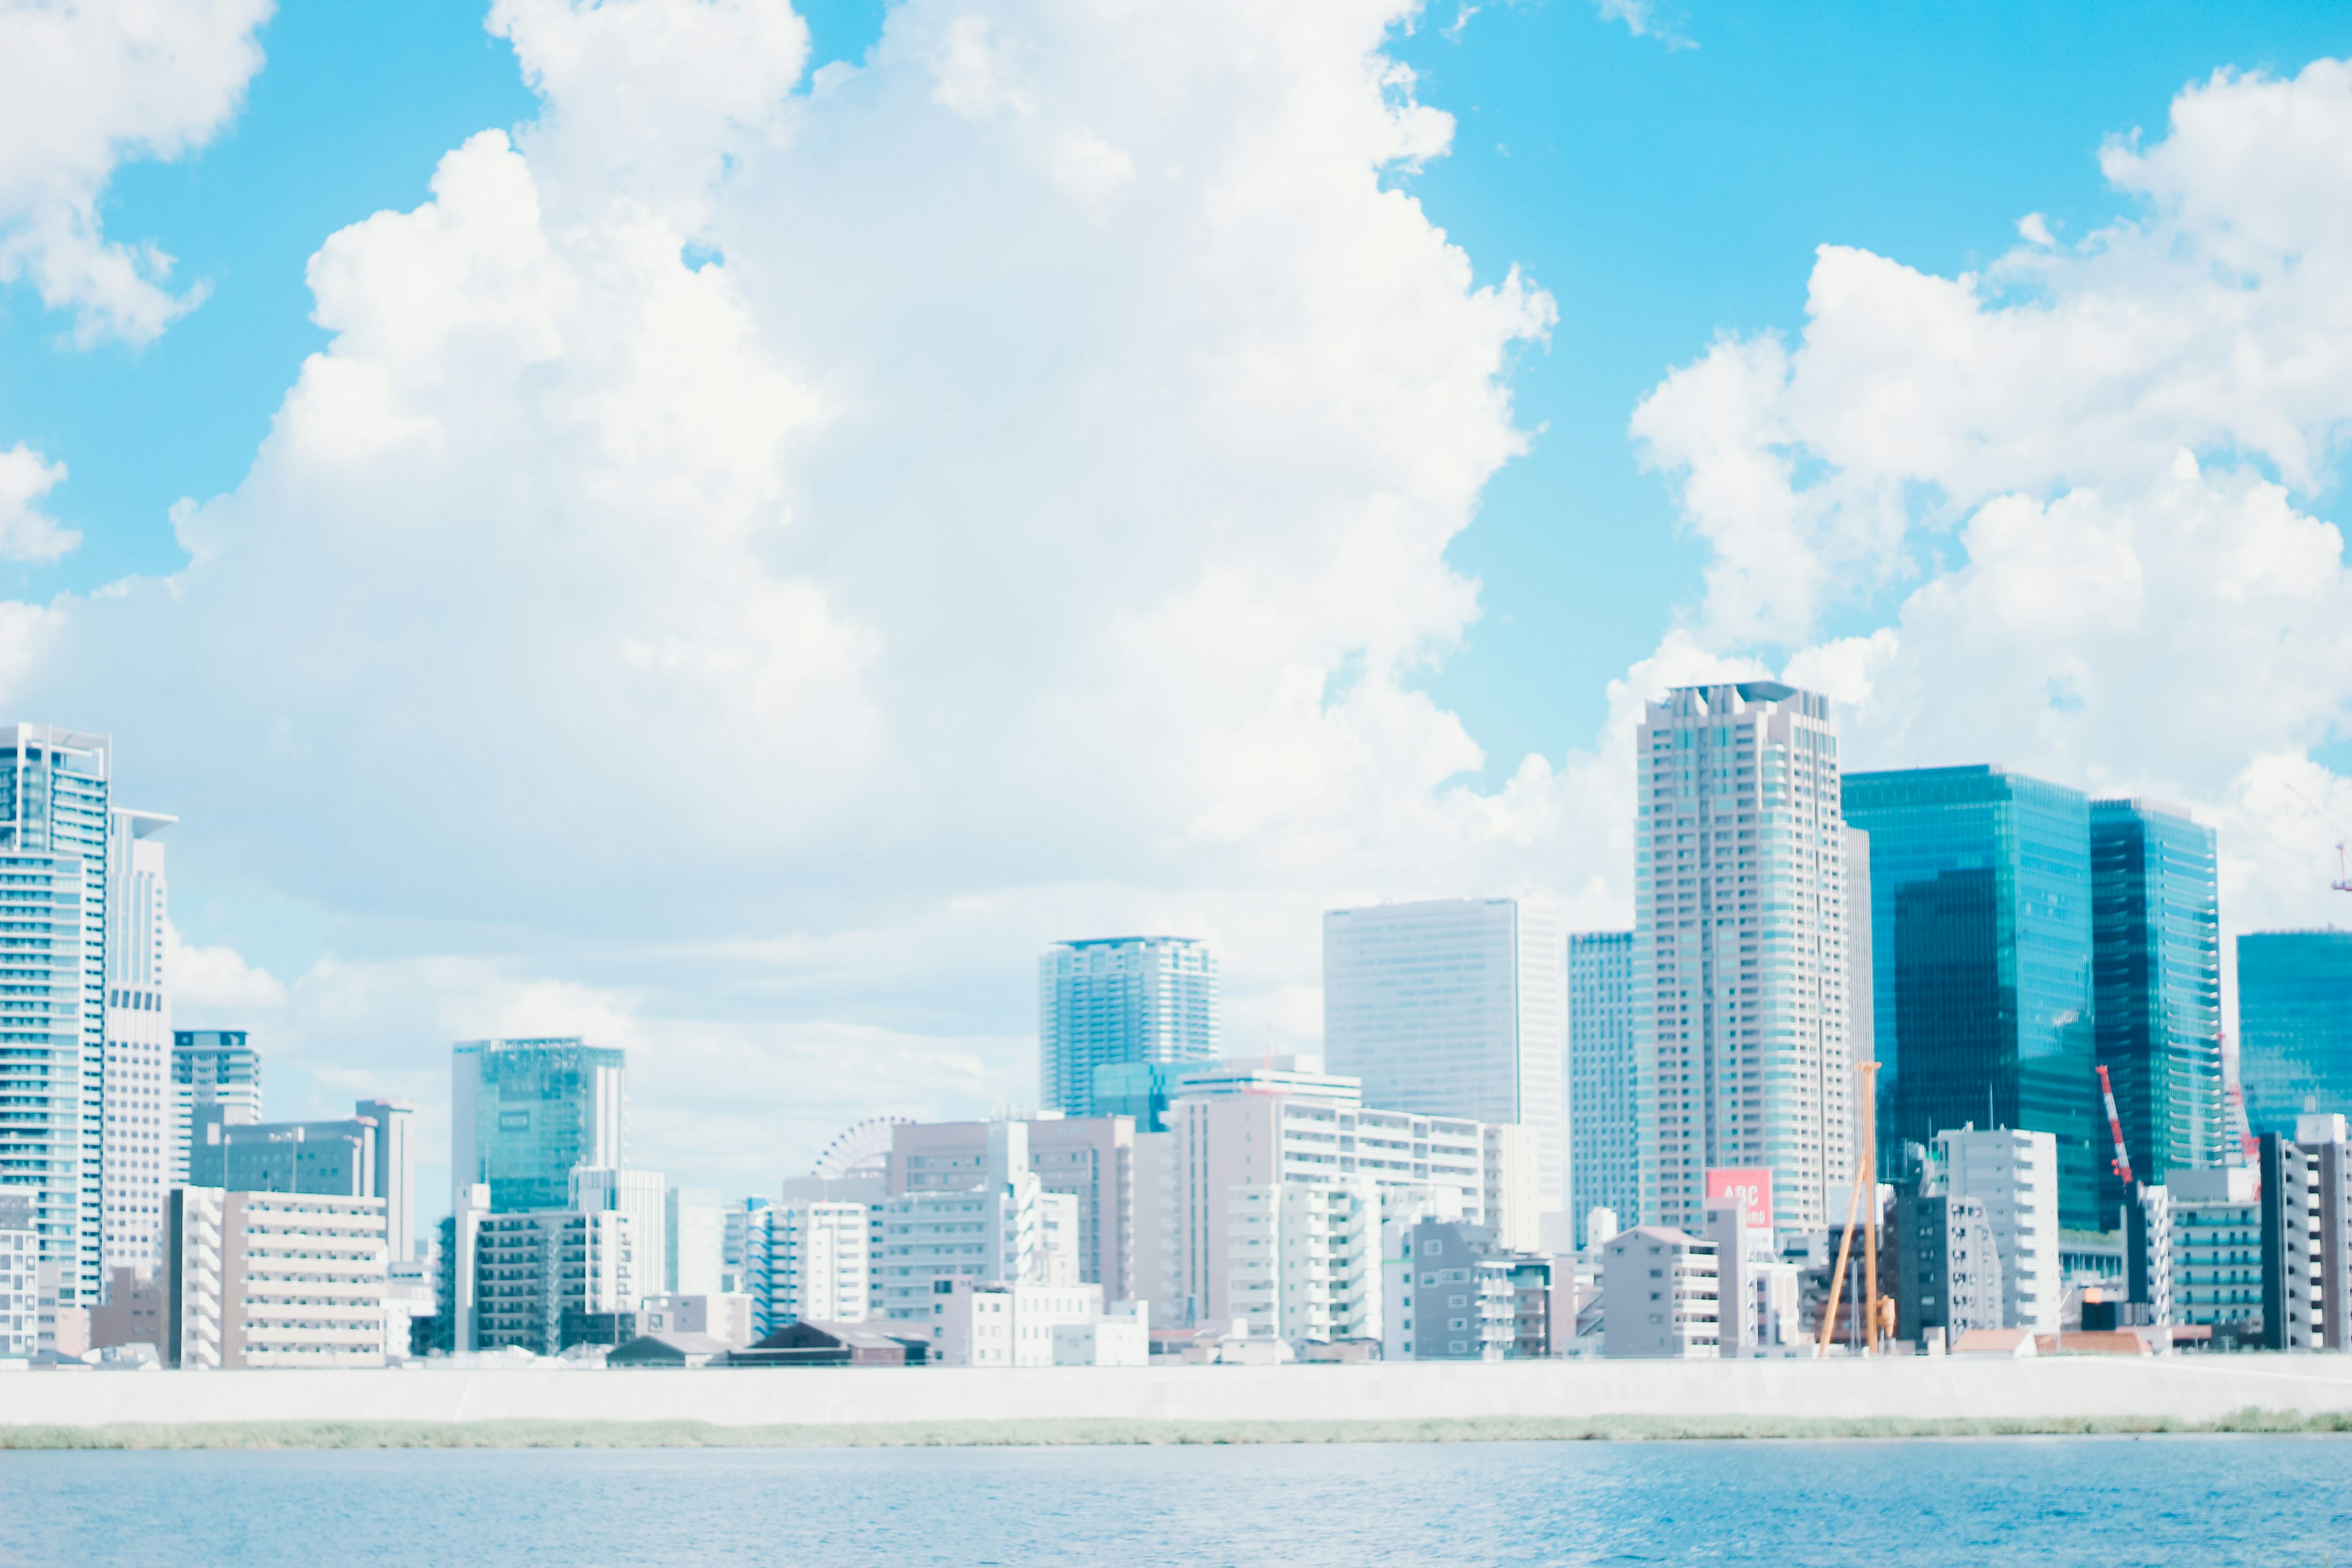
x: 2122, y: 1162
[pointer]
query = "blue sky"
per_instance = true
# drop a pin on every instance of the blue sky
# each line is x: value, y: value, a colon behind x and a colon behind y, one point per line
x: 755, y: 559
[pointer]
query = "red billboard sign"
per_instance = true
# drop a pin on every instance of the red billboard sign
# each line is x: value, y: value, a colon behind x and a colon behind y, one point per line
x: 1751, y: 1188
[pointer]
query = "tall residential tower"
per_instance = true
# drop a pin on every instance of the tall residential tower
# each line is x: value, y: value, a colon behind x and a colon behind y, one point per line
x: 1604, y: 1162
x: 1454, y: 1007
x: 1742, y: 952
x: 1120, y: 1002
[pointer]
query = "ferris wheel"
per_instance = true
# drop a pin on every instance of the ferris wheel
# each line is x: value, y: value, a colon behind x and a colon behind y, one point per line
x: 861, y: 1149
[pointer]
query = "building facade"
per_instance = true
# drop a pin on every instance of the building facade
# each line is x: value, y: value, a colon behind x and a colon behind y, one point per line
x: 210, y: 1067
x: 999, y: 1227
x: 273, y: 1280
x: 1742, y: 953
x: 1661, y: 1289
x: 1305, y: 1261
x: 1090, y: 1158
x: 2156, y: 969
x: 1454, y: 1007
x: 20, y: 1277
x: 137, y: 1128
x: 1982, y: 939
x: 42, y: 1054
x: 332, y: 1158
x: 1604, y: 1160
x: 1114, y: 1001
x: 524, y: 1113
x: 821, y: 1265
x: 2014, y: 1175
x: 395, y: 1173
x: 1948, y: 1268
x: 2294, y: 1025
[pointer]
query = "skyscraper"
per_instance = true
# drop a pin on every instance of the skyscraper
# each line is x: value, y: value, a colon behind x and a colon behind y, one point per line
x: 210, y: 1066
x: 2294, y: 1025
x: 139, y: 1152
x: 1740, y: 952
x: 1604, y: 1162
x: 54, y: 787
x: 1454, y: 1007
x: 1982, y: 936
x: 396, y: 1174
x: 524, y: 1113
x: 1112, y: 1000
x: 2155, y: 976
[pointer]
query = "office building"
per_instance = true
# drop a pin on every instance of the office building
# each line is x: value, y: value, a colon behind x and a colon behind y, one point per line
x: 395, y: 1173
x: 1001, y: 1227
x: 1454, y: 1007
x: 54, y: 824
x: 136, y: 1137
x: 524, y: 1113
x: 1604, y: 1160
x: 1090, y: 1158
x: 644, y: 1196
x: 332, y: 1158
x: 2294, y: 1025
x: 2156, y: 969
x: 1947, y: 1266
x: 1982, y: 936
x: 2014, y: 1174
x: 41, y: 1054
x: 273, y: 1280
x: 694, y: 1241
x: 1661, y: 1293
x: 20, y: 1284
x: 1742, y: 953
x: 210, y: 1067
x: 1258, y: 1136
x: 1120, y: 1000
x: 1305, y: 1259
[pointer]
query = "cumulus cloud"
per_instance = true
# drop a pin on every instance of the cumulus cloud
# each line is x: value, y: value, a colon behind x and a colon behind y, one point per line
x: 28, y: 533
x: 84, y: 87
x: 2078, y: 484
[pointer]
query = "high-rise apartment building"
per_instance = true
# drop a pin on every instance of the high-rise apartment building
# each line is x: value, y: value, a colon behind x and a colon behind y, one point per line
x: 1742, y: 962
x: 1982, y: 939
x: 2294, y: 1025
x: 821, y: 1265
x: 210, y: 1067
x: 1604, y: 1162
x: 273, y: 1280
x: 2156, y: 969
x: 1454, y: 1007
x: 136, y: 1136
x: 396, y: 1174
x: 644, y: 1196
x: 54, y: 824
x: 524, y: 1113
x: 695, y: 1242
x: 1113, y: 1002
x: 2014, y: 1175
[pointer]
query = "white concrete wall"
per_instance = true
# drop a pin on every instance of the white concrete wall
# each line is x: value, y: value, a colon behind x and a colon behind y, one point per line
x: 2188, y: 1387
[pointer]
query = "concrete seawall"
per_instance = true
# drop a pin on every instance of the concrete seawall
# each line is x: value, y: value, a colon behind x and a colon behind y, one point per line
x: 2181, y: 1388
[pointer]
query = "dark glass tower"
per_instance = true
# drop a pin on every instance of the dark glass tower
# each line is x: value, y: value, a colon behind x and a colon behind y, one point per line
x: 2157, y: 978
x: 1981, y: 989
x: 2294, y: 1025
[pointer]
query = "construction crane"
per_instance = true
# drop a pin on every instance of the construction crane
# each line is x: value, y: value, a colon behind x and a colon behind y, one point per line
x: 2122, y: 1162
x: 1865, y: 1180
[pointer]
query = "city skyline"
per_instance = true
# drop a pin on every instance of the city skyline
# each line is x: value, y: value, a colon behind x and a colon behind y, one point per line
x: 753, y: 652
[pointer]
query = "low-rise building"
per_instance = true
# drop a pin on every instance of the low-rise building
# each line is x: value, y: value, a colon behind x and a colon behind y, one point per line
x: 1011, y: 1325
x: 131, y: 1312
x: 273, y: 1280
x: 20, y: 1290
x: 1661, y: 1294
x: 725, y: 1317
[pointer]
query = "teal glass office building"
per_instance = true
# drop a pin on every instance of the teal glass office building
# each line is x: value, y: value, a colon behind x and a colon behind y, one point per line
x: 2294, y: 1025
x: 2156, y: 922
x: 524, y: 1113
x: 1981, y: 982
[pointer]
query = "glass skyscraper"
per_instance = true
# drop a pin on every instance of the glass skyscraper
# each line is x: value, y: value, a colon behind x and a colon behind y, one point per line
x: 1982, y: 984
x: 1744, y: 880
x: 1604, y: 1159
x: 2155, y: 967
x: 1454, y: 1007
x: 524, y: 1114
x: 2294, y: 1025
x: 1114, y: 1001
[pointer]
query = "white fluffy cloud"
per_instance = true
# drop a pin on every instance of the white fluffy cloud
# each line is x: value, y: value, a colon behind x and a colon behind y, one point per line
x: 2085, y: 477
x: 85, y: 85
x: 28, y: 533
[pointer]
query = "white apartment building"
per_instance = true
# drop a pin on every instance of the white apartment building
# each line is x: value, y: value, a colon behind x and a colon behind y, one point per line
x: 820, y: 1263
x: 273, y: 1280
x: 724, y: 1316
x: 1744, y: 896
x: 644, y: 1196
x: 2015, y: 1176
x: 1305, y: 1263
x: 1454, y: 1007
x: 20, y: 1278
x: 1661, y: 1292
x: 694, y: 1244
x: 136, y: 1124
x: 1090, y: 1158
x: 1009, y: 1325
x: 516, y: 1278
x: 1004, y: 1229
x: 1259, y: 1135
